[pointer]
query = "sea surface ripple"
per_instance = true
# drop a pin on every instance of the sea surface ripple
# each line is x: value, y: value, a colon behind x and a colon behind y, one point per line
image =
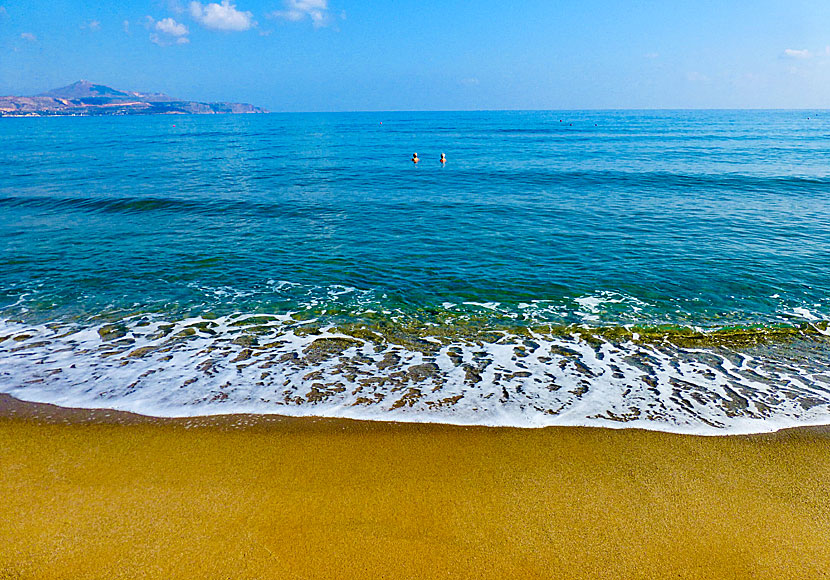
x: 657, y: 269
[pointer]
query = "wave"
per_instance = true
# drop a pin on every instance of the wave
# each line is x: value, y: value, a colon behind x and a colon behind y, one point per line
x: 136, y: 204
x: 652, y: 182
x: 671, y: 379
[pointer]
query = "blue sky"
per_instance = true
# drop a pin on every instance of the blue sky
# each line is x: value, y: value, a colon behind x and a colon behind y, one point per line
x: 335, y: 55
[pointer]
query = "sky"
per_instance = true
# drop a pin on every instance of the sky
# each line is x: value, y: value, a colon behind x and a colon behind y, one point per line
x: 347, y: 55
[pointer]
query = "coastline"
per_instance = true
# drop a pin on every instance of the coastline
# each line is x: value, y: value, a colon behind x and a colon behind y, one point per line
x: 34, y: 409
x: 462, y: 376
x: 107, y: 494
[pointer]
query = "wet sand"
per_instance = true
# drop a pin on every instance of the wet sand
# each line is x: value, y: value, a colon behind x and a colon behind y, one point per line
x: 101, y: 494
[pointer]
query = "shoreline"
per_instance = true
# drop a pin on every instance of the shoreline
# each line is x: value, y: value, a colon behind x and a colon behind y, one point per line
x: 271, y: 364
x: 13, y: 407
x: 108, y: 494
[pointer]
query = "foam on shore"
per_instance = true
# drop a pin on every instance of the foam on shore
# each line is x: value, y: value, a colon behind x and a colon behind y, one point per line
x: 281, y: 365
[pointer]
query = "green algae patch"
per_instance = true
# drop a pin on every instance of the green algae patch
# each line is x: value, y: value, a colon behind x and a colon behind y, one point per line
x: 254, y: 321
x: 411, y: 397
x: 472, y: 375
x: 390, y: 360
x: 429, y: 338
x: 259, y: 329
x: 308, y: 330
x: 141, y: 352
x: 112, y: 331
x: 320, y: 392
x: 446, y: 402
x: 378, y: 397
x: 163, y: 330
x: 734, y: 337
x: 303, y: 315
x: 685, y: 337
x: 243, y: 355
x: 31, y: 345
x: 203, y: 326
x: 245, y: 341
x: 422, y: 372
x: 324, y: 348
x: 361, y: 332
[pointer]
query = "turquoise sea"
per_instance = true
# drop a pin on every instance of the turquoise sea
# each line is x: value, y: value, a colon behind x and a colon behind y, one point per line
x: 658, y: 269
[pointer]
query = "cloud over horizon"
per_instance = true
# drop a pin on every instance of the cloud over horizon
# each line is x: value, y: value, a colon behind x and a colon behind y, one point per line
x: 167, y: 32
x: 296, y: 10
x: 796, y: 53
x: 224, y: 16
x: 28, y: 36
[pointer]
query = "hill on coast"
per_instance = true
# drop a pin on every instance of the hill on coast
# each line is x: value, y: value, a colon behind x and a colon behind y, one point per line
x: 84, y: 98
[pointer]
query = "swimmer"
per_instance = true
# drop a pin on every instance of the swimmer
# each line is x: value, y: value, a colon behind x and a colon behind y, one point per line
x: 415, y: 158
x: 443, y: 158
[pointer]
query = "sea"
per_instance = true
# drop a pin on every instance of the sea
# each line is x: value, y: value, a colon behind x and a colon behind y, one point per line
x: 666, y: 270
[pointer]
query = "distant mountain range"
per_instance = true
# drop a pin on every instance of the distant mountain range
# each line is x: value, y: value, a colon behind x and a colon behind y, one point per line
x: 87, y: 99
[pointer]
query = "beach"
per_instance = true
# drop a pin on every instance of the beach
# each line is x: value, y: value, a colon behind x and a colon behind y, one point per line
x: 582, y: 334
x: 567, y: 352
x: 102, y: 494
x: 574, y: 275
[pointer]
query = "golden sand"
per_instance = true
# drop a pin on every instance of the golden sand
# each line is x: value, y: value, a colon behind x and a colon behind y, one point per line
x: 106, y: 495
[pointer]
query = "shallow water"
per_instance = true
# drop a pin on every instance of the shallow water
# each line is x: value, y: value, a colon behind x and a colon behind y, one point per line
x: 562, y: 268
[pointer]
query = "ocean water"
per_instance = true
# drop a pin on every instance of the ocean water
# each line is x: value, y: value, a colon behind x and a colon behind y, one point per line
x: 659, y: 269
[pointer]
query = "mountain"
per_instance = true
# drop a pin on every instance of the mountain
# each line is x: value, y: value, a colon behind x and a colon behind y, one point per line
x: 83, y: 89
x: 84, y: 98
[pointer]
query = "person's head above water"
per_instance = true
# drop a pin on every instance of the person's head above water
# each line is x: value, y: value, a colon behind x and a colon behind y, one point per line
x: 415, y: 158
x: 443, y: 158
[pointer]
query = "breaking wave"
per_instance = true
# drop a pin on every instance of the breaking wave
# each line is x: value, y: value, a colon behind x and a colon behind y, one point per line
x: 677, y: 379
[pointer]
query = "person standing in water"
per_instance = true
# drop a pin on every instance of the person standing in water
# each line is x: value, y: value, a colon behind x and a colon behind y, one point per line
x: 415, y: 158
x: 443, y: 159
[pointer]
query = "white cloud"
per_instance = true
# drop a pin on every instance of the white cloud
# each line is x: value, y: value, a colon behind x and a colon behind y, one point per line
x: 162, y: 40
x: 296, y: 10
x: 171, y: 27
x: 222, y: 16
x: 126, y: 26
x: 796, y: 53
x: 469, y: 82
x: 29, y: 37
x: 652, y: 55
x: 167, y: 31
x: 91, y: 25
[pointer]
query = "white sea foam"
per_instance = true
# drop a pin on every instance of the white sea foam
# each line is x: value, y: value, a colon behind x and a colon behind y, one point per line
x: 805, y: 314
x: 274, y: 365
x: 591, y: 307
x: 487, y: 305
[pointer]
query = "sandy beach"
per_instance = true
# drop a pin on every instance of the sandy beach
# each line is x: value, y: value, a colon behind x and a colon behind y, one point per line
x: 100, y: 494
